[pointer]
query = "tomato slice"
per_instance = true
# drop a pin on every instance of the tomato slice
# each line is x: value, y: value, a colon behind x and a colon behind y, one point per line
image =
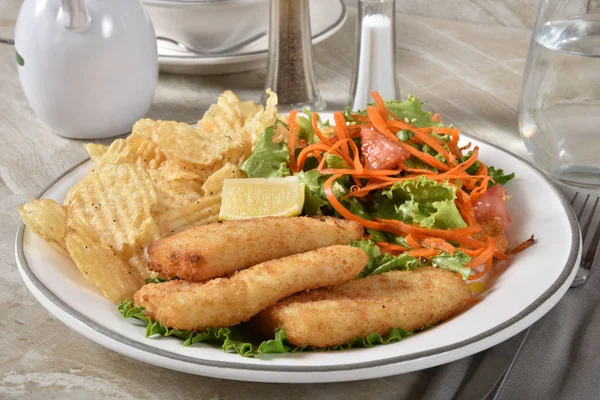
x: 380, y: 152
x: 492, y: 204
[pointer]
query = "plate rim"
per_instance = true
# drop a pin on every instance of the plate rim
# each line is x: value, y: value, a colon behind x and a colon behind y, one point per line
x: 251, y: 55
x: 567, y: 270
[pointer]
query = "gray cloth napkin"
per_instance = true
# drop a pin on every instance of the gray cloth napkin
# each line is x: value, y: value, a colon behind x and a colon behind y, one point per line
x: 560, y: 358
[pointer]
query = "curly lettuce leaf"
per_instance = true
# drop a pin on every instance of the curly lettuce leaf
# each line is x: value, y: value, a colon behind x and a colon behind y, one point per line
x: 499, y: 176
x: 421, y: 201
x: 411, y: 110
x: 231, y: 339
x: 305, y: 129
x: 234, y: 339
x: 315, y: 200
x: 379, y: 263
x: 372, y: 339
x: 268, y: 159
x: 334, y: 161
x: 454, y: 263
x: 158, y: 279
x: 472, y: 170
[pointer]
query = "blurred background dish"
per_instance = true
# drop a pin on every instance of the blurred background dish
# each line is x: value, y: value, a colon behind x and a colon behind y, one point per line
x: 209, y: 26
x: 326, y: 17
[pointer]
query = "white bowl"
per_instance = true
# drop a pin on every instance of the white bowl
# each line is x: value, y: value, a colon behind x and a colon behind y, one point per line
x: 209, y: 26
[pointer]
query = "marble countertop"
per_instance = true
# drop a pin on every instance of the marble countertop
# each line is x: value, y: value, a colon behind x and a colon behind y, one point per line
x: 470, y: 73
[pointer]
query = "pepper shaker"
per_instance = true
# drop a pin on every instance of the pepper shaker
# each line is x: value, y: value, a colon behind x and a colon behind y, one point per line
x: 290, y: 67
x: 375, y: 54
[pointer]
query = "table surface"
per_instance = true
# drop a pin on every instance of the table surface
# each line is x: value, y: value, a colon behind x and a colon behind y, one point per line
x: 470, y: 73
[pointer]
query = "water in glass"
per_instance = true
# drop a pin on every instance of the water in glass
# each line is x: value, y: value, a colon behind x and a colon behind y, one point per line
x: 559, y: 114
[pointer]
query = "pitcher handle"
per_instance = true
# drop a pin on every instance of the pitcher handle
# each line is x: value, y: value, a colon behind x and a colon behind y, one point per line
x: 74, y: 14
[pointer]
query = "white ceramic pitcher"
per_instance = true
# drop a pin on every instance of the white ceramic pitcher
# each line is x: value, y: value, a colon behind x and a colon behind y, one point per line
x: 88, y: 68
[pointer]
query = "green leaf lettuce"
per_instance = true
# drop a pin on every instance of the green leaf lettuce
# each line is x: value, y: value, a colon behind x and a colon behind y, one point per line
x: 236, y: 339
x: 379, y: 263
x: 420, y: 201
x: 269, y: 159
x: 454, y: 263
x: 499, y: 176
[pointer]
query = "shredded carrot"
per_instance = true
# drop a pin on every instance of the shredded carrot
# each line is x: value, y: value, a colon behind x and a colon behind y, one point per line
x: 485, y: 270
x: 483, y: 170
x: 293, y: 133
x: 438, y: 244
x: 454, y: 133
x: 391, y: 247
x: 472, y: 253
x: 425, y: 253
x: 360, y: 118
x: 334, y: 150
x: 466, y: 147
x: 416, y: 170
x: 436, y: 118
x: 365, y: 190
x: 452, y: 234
x: 340, y: 129
x: 427, y: 139
x: 412, y: 242
x: 380, y: 104
x: 315, y: 126
x: 485, y: 255
x: 526, y: 244
x: 366, y: 173
x: 312, y: 149
x: 328, y: 188
x: 381, y: 126
x: 465, y: 165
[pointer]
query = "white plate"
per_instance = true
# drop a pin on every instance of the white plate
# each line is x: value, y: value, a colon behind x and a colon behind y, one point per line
x: 326, y: 18
x: 529, y: 287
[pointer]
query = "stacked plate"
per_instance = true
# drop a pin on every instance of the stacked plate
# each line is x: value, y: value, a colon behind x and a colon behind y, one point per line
x: 206, y: 37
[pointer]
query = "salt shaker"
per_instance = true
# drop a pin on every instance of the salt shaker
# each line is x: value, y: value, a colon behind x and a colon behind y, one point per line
x: 290, y: 68
x: 375, y: 54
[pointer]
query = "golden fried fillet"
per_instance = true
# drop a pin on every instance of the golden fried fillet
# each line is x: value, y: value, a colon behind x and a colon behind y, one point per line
x: 224, y: 302
x: 399, y: 299
x: 219, y: 249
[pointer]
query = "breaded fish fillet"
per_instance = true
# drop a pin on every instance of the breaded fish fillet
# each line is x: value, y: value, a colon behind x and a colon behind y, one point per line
x: 224, y: 302
x: 399, y: 299
x: 219, y: 249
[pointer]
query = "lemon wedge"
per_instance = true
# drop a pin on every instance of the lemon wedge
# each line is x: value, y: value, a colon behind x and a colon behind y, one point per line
x: 261, y: 197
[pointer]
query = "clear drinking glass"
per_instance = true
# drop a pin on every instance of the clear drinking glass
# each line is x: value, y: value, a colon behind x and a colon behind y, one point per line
x: 290, y: 69
x: 559, y: 110
x: 375, y: 54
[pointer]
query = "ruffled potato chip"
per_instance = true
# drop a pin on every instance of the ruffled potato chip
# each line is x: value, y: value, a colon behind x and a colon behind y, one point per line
x: 95, y: 151
x: 115, y: 201
x: 48, y: 219
x: 214, y: 183
x: 196, y: 151
x: 100, y: 265
x: 174, y: 193
x: 261, y: 120
x: 200, y: 212
x: 226, y: 115
x: 133, y: 150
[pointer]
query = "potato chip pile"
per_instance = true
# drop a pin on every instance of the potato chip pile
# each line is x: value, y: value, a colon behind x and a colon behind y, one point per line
x: 164, y: 178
